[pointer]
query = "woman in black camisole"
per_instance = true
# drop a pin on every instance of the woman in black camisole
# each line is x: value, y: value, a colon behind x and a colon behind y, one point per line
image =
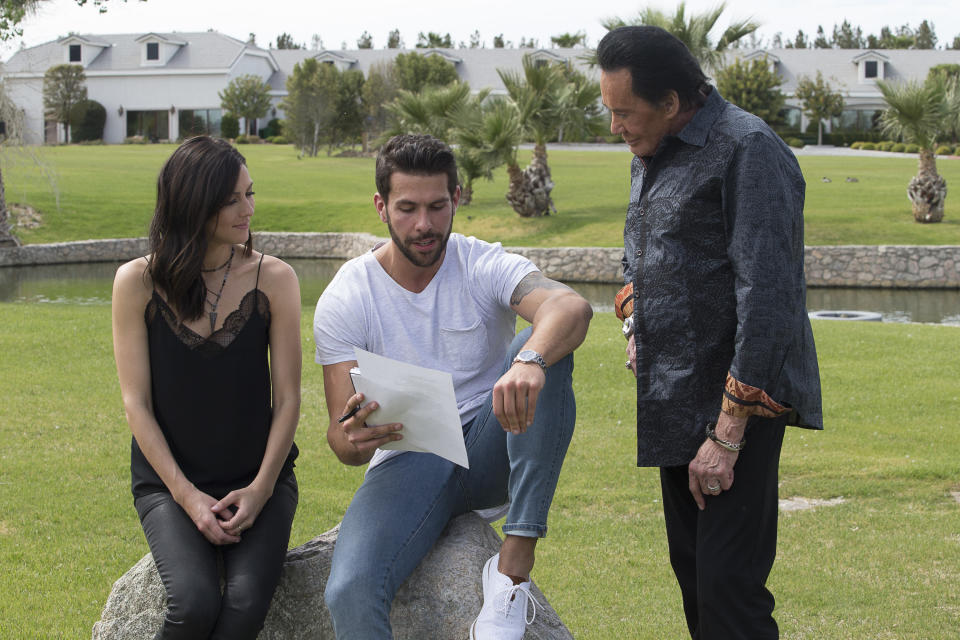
x: 206, y: 336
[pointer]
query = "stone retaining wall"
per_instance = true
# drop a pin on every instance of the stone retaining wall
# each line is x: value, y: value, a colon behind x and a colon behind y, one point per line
x: 842, y: 266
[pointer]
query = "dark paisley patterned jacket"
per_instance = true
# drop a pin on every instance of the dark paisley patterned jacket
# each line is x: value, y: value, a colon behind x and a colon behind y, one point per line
x: 713, y: 244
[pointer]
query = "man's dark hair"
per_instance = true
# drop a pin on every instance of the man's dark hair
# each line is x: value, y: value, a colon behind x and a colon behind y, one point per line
x: 658, y: 63
x: 416, y: 154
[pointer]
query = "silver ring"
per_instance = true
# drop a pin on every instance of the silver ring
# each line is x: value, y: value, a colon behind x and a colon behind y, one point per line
x: 627, y: 364
x: 713, y: 488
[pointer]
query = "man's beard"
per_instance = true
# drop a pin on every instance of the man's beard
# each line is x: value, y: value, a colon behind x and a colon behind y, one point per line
x: 418, y: 258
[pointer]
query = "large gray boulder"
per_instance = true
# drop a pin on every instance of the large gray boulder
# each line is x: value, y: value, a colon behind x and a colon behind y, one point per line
x: 439, y: 601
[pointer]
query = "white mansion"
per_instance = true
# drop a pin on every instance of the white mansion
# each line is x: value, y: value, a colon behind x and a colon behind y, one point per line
x: 159, y: 84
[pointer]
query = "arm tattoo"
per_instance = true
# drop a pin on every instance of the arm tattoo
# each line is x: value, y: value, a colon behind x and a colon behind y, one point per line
x: 531, y: 281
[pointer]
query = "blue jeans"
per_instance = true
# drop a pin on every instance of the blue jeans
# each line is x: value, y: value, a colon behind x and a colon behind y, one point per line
x: 405, y: 502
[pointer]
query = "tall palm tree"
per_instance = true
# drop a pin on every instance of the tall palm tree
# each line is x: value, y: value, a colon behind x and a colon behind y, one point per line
x: 693, y: 32
x: 550, y: 101
x: 916, y: 113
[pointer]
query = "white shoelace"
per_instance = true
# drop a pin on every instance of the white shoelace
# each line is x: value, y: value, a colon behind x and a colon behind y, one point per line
x: 509, y: 594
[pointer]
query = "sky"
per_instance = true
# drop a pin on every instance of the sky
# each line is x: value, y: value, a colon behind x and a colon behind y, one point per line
x: 338, y: 22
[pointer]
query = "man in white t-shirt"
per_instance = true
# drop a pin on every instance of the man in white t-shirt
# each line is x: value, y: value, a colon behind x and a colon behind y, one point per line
x: 444, y: 301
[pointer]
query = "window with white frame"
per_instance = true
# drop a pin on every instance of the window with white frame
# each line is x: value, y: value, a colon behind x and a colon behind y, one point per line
x: 870, y: 69
x: 75, y: 53
x: 153, y: 51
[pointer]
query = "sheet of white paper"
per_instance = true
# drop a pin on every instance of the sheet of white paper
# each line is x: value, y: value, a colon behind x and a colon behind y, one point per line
x: 421, y: 399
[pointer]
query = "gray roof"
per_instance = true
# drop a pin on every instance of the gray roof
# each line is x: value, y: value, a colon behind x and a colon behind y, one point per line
x: 477, y: 67
x: 839, y: 66
x: 122, y: 52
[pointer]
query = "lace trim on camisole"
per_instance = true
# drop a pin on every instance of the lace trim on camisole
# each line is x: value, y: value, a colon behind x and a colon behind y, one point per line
x: 253, y: 300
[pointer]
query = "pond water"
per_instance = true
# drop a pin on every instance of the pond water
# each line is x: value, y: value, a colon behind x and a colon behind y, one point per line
x: 91, y: 284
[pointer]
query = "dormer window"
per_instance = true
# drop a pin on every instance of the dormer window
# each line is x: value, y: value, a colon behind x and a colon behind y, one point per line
x: 75, y: 53
x: 871, y: 66
x: 153, y: 51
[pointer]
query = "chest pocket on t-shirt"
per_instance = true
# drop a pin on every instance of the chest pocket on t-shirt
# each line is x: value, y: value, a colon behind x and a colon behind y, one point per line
x: 464, y: 348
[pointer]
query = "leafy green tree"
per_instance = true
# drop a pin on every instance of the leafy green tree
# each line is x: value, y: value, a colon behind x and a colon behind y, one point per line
x: 925, y: 37
x: 379, y: 90
x: 415, y: 71
x: 64, y: 85
x: 821, y: 41
x: 365, y: 41
x: 847, y: 37
x: 956, y: 42
x: 916, y: 113
x: 433, y: 40
x: 248, y: 96
x: 323, y: 105
x: 285, y: 41
x: 693, y: 31
x: 569, y: 40
x: 753, y: 86
x: 316, y: 42
x: 820, y: 102
x: 311, y: 94
x: 475, y: 41
x: 393, y: 40
x: 531, y: 43
x: 799, y: 41
x: 346, y: 121
x: 500, y: 43
x: 902, y: 38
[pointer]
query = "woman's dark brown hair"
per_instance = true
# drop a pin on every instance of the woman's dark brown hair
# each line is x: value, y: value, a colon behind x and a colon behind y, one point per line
x: 194, y: 184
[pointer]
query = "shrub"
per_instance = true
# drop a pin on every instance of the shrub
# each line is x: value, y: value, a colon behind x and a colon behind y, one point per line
x: 868, y: 146
x: 278, y: 140
x: 272, y: 130
x: 797, y: 143
x: 912, y: 148
x: 856, y: 145
x: 898, y: 147
x: 944, y: 150
x: 135, y: 140
x: 229, y: 126
x: 243, y: 139
x: 87, y: 118
x: 886, y: 145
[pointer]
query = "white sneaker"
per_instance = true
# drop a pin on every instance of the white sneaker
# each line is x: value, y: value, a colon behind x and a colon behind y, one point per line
x: 504, y: 612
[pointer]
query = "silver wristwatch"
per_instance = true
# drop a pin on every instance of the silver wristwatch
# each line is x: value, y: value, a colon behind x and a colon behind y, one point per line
x: 529, y: 356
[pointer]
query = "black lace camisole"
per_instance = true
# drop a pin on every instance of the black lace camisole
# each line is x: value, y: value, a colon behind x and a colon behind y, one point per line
x: 211, y: 397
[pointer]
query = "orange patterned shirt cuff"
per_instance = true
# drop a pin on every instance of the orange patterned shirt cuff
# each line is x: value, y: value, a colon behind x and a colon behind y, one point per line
x: 740, y: 400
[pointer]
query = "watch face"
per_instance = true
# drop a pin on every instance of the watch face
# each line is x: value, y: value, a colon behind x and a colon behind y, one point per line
x: 527, y: 355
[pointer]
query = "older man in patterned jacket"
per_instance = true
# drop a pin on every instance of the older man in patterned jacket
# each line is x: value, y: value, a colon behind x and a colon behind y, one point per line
x: 720, y: 345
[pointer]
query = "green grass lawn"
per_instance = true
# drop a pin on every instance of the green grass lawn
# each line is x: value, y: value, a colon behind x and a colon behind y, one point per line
x: 883, y: 564
x: 109, y: 192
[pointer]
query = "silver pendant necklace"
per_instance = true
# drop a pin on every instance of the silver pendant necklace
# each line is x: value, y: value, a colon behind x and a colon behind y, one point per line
x: 216, y: 300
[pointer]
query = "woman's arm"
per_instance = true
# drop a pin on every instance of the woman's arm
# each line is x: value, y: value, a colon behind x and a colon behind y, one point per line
x: 279, y: 282
x: 131, y: 292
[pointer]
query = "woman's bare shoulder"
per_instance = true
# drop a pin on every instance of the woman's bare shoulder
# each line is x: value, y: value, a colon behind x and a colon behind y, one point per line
x: 133, y: 279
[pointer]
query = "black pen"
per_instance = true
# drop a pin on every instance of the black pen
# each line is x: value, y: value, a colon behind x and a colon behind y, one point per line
x: 348, y: 415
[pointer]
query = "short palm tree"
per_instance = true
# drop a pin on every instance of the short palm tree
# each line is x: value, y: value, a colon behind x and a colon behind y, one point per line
x: 693, y: 32
x: 916, y: 113
x: 445, y: 113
